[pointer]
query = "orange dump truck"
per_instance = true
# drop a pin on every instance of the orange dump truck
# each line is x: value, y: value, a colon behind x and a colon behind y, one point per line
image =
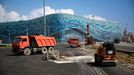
x: 73, y: 42
x: 33, y: 44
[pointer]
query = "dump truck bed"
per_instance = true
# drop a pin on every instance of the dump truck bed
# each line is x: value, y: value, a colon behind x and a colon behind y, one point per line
x: 44, y: 41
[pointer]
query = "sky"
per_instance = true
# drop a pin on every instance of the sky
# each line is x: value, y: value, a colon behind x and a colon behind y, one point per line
x: 120, y: 11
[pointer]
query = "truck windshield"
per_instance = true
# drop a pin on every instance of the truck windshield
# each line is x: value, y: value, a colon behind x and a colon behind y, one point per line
x: 110, y: 48
x: 17, y: 40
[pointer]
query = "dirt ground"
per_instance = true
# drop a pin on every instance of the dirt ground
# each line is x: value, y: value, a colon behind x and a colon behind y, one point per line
x: 126, y: 59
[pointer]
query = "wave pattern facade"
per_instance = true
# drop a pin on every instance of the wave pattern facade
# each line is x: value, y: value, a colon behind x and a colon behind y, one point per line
x: 61, y: 26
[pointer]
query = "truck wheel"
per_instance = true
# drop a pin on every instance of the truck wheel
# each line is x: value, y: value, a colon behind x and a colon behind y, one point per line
x: 96, y: 58
x: 50, y: 49
x: 44, y: 50
x: 27, y: 51
x: 101, y: 61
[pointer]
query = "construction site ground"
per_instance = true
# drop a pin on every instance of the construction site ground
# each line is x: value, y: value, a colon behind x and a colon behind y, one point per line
x: 35, y: 65
x: 125, y: 54
x: 126, y: 60
x: 73, y: 55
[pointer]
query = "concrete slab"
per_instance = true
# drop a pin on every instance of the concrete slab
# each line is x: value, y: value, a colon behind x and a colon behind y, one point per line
x: 75, y: 59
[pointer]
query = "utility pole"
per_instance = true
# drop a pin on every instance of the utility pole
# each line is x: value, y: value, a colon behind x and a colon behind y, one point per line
x: 62, y: 36
x: 93, y: 21
x: 27, y: 28
x: 44, y: 18
x: 9, y: 40
x: 47, y: 30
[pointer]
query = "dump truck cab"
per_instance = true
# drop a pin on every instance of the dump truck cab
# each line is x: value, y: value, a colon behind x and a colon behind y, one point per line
x: 106, y: 53
x: 33, y: 44
x: 20, y: 42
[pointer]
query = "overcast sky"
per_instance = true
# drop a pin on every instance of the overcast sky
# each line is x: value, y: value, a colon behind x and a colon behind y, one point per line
x: 120, y: 11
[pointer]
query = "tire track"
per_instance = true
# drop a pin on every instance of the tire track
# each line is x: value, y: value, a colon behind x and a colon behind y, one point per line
x: 87, y: 69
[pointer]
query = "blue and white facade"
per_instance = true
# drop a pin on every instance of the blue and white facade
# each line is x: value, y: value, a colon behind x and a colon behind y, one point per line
x: 62, y: 27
